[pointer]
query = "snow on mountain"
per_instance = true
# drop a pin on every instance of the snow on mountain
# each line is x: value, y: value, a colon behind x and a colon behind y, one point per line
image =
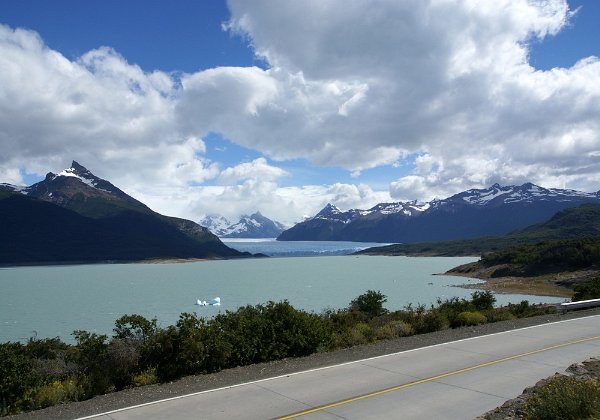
x: 215, y: 223
x: 524, y: 193
x: 253, y: 226
x: 496, y: 194
x: 13, y: 188
x: 476, y: 212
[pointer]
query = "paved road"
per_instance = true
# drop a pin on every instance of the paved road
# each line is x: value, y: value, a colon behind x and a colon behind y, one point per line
x: 457, y: 380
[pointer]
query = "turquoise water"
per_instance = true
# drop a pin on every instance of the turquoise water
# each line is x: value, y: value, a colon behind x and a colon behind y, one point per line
x: 56, y: 300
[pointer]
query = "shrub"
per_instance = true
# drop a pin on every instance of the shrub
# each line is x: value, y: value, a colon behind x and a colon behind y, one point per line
x: 499, y: 314
x: 393, y: 329
x: 359, y: 333
x: 430, y: 321
x: 147, y: 377
x: 123, y: 358
x: 468, y: 318
x: 91, y: 356
x: 525, y: 309
x: 57, y: 392
x: 16, y: 378
x: 268, y: 332
x: 589, y: 290
x: 369, y: 303
x: 483, y: 300
x: 134, y: 327
x: 161, y: 352
x: 565, y: 398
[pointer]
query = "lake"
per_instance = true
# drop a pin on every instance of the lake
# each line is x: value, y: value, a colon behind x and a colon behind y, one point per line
x: 274, y: 248
x: 53, y: 301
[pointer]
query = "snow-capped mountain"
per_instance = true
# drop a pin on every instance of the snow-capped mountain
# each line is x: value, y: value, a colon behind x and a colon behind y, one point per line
x: 78, y: 217
x: 78, y: 189
x: 253, y: 226
x: 215, y: 223
x: 477, y: 212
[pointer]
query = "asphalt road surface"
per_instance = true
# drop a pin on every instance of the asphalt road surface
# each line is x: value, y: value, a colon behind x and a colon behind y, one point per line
x: 456, y: 380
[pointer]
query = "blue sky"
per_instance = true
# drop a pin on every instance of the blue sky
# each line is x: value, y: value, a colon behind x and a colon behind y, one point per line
x: 199, y: 107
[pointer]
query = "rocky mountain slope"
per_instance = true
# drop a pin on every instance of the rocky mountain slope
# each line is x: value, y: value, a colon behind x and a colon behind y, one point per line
x: 254, y: 226
x: 576, y: 222
x: 478, y: 212
x: 74, y: 216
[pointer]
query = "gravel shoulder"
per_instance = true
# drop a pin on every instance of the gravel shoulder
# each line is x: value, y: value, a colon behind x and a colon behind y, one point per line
x: 240, y: 375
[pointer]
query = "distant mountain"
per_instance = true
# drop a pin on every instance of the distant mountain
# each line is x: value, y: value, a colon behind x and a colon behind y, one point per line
x: 74, y: 216
x: 215, y: 223
x: 477, y: 212
x: 576, y: 222
x: 253, y: 226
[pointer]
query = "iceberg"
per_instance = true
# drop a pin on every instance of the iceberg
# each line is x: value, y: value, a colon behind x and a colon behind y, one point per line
x: 215, y: 302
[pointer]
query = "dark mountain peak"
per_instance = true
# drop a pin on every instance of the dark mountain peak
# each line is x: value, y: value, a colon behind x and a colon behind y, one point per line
x: 76, y: 216
x: 77, y: 167
x: 329, y: 210
x: 78, y: 189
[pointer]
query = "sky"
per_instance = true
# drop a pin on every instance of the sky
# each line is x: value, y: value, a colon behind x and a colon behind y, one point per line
x: 214, y: 107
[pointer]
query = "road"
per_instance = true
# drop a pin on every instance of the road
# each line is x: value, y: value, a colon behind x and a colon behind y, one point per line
x: 457, y: 380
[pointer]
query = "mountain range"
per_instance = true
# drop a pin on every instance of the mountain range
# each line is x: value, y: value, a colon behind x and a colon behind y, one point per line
x: 254, y: 226
x: 496, y: 210
x: 75, y: 216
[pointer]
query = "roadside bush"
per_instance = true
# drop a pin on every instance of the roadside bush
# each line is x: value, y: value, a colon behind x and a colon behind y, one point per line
x: 369, y: 303
x: 177, y: 350
x: 524, y: 309
x: 589, y: 290
x: 17, y: 378
x: 57, y: 392
x: 147, y: 377
x: 50, y: 358
x: 122, y: 360
x: 565, y: 398
x: 393, y: 329
x: 483, y: 300
x: 134, y: 327
x: 268, y: 332
x: 499, y: 314
x: 91, y: 357
x: 359, y: 333
x: 161, y: 352
x: 468, y: 318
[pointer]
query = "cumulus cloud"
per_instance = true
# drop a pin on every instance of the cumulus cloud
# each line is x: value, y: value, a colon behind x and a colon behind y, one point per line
x: 288, y: 205
x: 256, y: 170
x: 348, y: 84
x: 451, y: 78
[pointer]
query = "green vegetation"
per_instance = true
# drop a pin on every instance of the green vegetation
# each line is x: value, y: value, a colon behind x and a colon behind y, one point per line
x: 565, y: 398
x: 570, y: 223
x: 586, y: 291
x: 45, y: 372
x: 546, y: 257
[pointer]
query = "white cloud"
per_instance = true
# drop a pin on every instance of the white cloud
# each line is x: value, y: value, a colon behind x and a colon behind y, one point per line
x: 258, y: 170
x: 451, y: 78
x: 287, y: 205
x: 350, y: 84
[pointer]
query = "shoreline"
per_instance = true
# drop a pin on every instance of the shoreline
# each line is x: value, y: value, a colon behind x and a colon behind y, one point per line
x: 554, y: 284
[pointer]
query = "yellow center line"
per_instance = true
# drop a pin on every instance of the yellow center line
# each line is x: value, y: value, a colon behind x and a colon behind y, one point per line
x: 433, y: 378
